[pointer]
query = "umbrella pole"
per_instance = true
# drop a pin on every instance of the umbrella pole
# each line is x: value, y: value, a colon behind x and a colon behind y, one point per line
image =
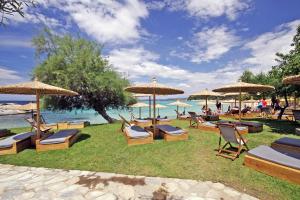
x: 38, y: 131
x: 140, y: 113
x: 240, y: 103
x: 157, y: 111
x: 149, y: 106
x: 234, y: 101
x: 154, y: 114
x: 177, y: 112
x: 206, y: 105
x: 295, y: 101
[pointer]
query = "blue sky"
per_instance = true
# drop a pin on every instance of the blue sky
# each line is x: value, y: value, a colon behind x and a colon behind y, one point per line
x: 190, y: 44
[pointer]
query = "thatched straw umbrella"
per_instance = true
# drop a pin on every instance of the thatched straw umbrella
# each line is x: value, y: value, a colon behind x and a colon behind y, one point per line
x: 179, y: 104
x: 292, y: 80
x: 149, y: 99
x: 205, y: 94
x: 244, y: 87
x: 139, y: 105
x: 154, y: 89
x: 35, y: 88
x: 158, y: 106
x: 295, y: 80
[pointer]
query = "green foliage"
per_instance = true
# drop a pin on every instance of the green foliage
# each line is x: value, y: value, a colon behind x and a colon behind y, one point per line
x: 77, y: 64
x: 288, y: 64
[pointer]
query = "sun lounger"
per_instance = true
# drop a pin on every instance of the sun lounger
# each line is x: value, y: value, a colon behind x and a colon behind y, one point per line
x: 78, y: 124
x: 172, y: 133
x: 201, y: 124
x: 181, y: 116
x: 142, y: 122
x: 274, y: 163
x: 63, y: 139
x: 297, y: 131
x: 33, y: 124
x: 134, y: 134
x: 16, y: 143
x: 296, y: 114
x: 231, y: 135
x: 253, y: 127
x: 286, y: 144
x: 4, y: 132
x: 163, y: 121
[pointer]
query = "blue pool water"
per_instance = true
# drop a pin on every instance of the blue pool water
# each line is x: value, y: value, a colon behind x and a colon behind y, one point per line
x: 12, y: 121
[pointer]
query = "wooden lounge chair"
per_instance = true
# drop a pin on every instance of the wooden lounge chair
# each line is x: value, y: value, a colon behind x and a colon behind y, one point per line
x: 172, y: 133
x: 43, y: 128
x: 63, y: 139
x: 296, y: 114
x: 134, y: 134
x: 43, y: 122
x: 200, y: 123
x: 274, y: 163
x: 163, y: 121
x: 286, y: 144
x: 16, y: 143
x: 4, y: 132
x: 181, y: 116
x: 253, y: 127
x: 231, y: 135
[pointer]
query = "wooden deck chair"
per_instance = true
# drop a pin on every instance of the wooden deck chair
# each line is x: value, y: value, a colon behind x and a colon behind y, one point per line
x: 194, y: 120
x: 33, y: 124
x: 43, y: 122
x: 135, y: 135
x: 231, y: 135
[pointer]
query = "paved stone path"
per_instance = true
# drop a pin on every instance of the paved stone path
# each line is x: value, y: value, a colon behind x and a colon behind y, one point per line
x: 21, y: 183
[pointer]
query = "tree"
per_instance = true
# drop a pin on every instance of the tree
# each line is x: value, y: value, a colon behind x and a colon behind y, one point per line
x: 77, y: 64
x: 288, y: 64
x: 10, y: 7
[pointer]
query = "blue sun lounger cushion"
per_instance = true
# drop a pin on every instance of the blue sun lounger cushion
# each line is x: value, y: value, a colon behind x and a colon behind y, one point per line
x: 269, y: 154
x: 289, y: 141
x: 241, y: 128
x: 59, y: 137
x: 209, y: 124
x: 136, y: 132
x: 142, y: 120
x: 170, y: 129
x: 9, y: 141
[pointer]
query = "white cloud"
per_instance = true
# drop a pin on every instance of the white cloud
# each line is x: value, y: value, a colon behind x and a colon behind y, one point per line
x: 209, y: 44
x: 204, y: 8
x: 264, y: 47
x: 8, y: 41
x: 8, y: 75
x: 106, y: 21
x: 139, y: 63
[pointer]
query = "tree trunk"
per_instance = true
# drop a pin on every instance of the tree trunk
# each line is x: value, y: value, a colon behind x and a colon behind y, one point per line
x: 103, y: 113
x: 283, y: 109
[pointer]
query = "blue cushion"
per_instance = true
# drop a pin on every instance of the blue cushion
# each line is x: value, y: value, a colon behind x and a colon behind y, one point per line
x: 163, y: 119
x: 59, y: 137
x: 289, y: 141
x: 9, y: 141
x: 136, y: 132
x: 209, y: 124
x: 170, y: 129
x: 241, y: 128
x: 281, y: 158
x: 142, y: 120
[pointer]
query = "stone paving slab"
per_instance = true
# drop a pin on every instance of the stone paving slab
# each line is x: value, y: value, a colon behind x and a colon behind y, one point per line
x: 41, y: 183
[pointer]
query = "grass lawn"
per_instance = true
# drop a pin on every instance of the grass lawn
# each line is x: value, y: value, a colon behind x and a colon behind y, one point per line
x: 103, y: 148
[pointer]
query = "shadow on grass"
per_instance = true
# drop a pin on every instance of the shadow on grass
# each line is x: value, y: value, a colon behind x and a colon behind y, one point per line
x: 279, y: 126
x: 82, y: 137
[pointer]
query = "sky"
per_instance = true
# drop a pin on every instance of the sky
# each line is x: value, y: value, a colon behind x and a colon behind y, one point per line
x: 188, y: 44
